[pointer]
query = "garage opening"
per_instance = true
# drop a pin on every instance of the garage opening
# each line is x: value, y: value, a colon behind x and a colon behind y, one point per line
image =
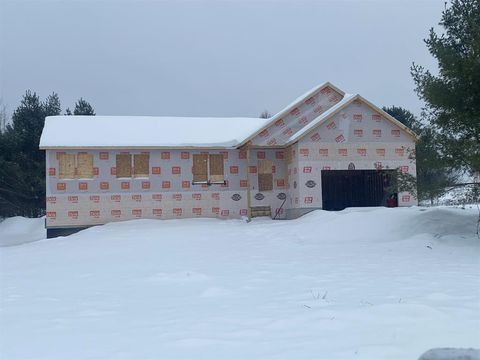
x: 357, y: 188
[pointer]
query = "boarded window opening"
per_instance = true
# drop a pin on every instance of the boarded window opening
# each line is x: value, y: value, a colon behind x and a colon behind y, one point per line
x: 85, y: 166
x: 216, y: 168
x: 124, y: 165
x: 265, y: 176
x: 200, y: 168
x: 141, y: 165
x: 66, y: 166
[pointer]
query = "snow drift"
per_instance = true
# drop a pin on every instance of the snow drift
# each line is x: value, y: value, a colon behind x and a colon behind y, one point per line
x: 362, y: 283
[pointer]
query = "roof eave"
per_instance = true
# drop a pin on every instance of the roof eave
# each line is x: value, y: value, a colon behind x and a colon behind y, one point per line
x: 288, y: 108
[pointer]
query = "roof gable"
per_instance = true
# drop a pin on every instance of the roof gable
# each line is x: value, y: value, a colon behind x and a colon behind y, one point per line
x: 296, y: 115
x: 346, y: 102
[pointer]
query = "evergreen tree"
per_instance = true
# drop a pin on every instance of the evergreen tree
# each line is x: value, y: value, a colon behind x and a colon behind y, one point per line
x: 265, y: 114
x: 453, y: 96
x: 82, y: 107
x: 434, y: 174
x: 22, y: 164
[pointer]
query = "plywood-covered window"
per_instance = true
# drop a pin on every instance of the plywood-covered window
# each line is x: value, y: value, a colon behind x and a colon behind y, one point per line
x: 84, y: 166
x: 66, y: 166
x: 216, y: 168
x: 265, y: 175
x: 200, y: 168
x: 124, y: 165
x: 141, y: 165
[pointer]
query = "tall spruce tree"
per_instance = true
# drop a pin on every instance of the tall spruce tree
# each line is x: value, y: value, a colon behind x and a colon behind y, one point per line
x: 22, y: 164
x: 82, y: 107
x: 453, y: 96
x: 434, y: 174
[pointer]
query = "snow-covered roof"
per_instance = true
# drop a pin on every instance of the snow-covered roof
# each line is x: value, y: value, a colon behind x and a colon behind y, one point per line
x: 146, y: 131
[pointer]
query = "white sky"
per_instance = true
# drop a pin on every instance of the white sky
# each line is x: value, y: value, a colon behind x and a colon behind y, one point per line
x: 211, y: 58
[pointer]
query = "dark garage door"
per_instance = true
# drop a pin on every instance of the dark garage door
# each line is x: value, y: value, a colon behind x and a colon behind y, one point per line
x: 354, y: 188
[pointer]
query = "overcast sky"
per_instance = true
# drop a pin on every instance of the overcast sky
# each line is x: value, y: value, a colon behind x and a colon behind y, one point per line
x: 211, y: 58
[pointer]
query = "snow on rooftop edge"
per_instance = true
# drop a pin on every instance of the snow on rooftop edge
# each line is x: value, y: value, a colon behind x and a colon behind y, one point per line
x: 146, y: 131
x: 346, y: 98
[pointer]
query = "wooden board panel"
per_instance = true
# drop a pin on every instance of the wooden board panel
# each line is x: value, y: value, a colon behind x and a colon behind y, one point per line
x: 265, y: 182
x: 216, y: 167
x: 288, y: 154
x: 66, y: 166
x: 141, y: 165
x: 200, y: 167
x: 124, y: 165
x: 265, y: 166
x: 85, y: 166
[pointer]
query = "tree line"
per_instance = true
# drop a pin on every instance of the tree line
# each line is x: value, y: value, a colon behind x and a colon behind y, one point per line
x: 22, y: 163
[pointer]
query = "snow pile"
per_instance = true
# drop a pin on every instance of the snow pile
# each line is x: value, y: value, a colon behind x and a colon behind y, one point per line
x: 451, y: 354
x: 19, y: 230
x: 358, y: 284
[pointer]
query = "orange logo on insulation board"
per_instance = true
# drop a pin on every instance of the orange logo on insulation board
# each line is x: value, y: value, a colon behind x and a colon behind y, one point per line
x: 165, y: 155
x: 177, y: 211
x: 137, y: 212
x: 362, y: 152
x: 358, y: 132
x: 260, y: 154
x: 315, y: 137
x: 323, y: 152
x: 197, y: 211
x: 95, y: 198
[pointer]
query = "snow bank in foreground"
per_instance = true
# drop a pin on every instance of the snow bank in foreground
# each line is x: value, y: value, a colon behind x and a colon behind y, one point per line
x: 19, y: 230
x: 451, y: 354
x: 357, y: 284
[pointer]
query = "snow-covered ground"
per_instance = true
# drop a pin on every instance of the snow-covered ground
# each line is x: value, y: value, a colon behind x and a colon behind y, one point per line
x: 357, y: 284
